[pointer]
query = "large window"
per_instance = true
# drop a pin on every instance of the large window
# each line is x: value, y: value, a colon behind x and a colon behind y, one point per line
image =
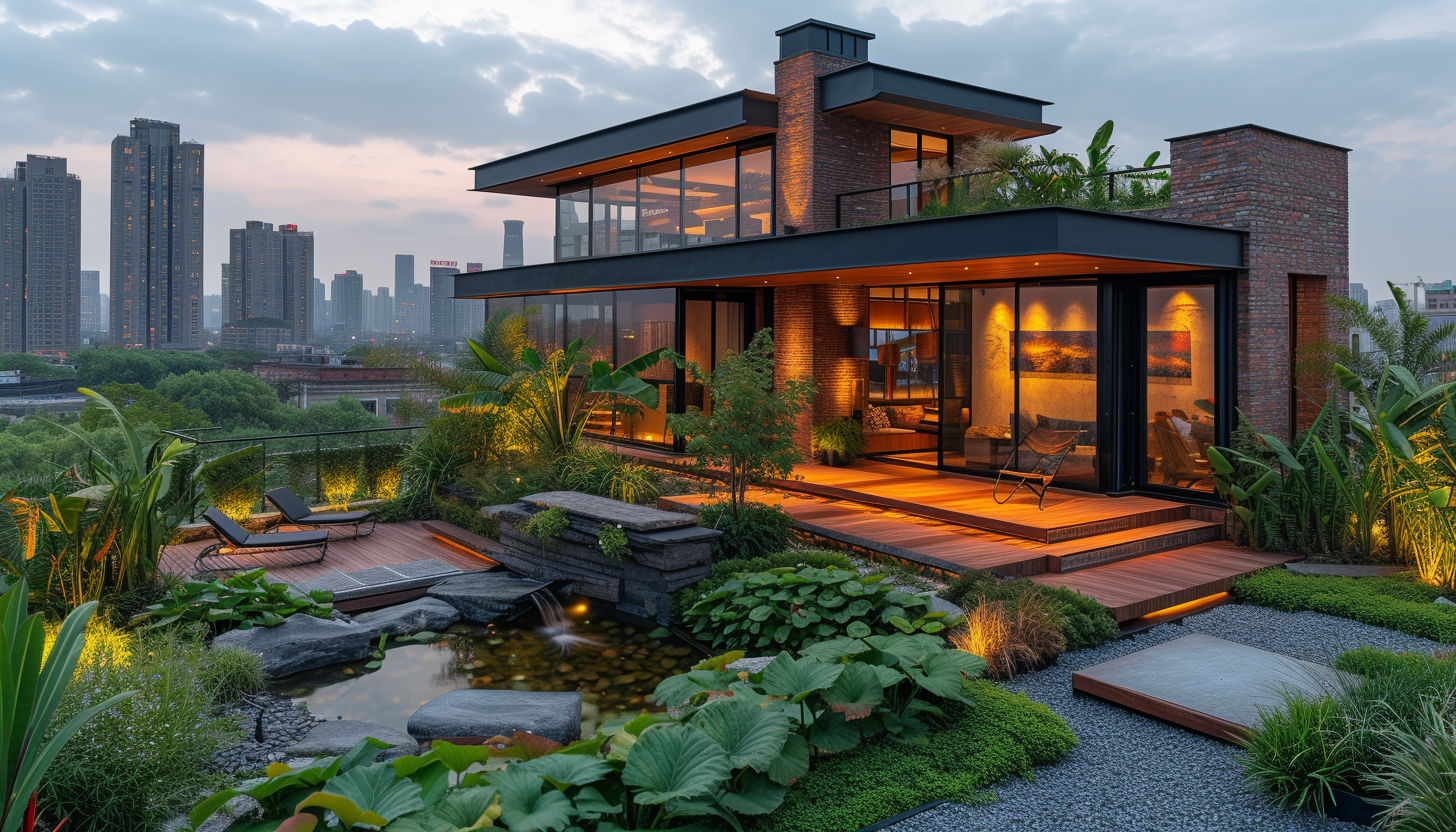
x: 915, y: 157
x: 710, y: 197
x: 646, y: 320
x: 1180, y: 349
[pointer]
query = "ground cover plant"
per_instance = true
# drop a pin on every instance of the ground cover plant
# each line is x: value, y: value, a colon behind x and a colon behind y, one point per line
x: 795, y: 607
x: 1396, y: 603
x: 723, y: 570
x: 241, y: 601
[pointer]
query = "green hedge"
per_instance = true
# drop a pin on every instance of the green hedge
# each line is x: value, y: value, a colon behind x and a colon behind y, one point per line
x: 1001, y: 735
x: 1372, y: 661
x: 1084, y: 622
x: 1401, y: 604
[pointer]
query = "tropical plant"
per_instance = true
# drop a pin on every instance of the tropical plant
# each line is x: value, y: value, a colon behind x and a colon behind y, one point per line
x: 594, y: 469
x: 1408, y: 340
x: 34, y: 681
x: 723, y: 571
x: 554, y: 396
x: 750, y: 530
x: 749, y: 433
x: 792, y: 608
x: 843, y: 437
x: 241, y: 602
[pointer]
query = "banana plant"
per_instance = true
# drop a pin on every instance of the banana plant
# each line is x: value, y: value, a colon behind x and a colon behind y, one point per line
x: 32, y: 684
x: 556, y: 395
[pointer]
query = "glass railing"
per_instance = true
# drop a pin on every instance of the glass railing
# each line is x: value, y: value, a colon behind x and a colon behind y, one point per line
x: 1130, y: 189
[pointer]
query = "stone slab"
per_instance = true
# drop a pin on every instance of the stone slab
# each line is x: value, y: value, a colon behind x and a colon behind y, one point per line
x: 630, y: 517
x: 337, y: 737
x: 424, y: 568
x: 1203, y: 683
x: 406, y: 619
x: 490, y: 713
x: 303, y: 642
x: 485, y: 596
x: 1346, y: 570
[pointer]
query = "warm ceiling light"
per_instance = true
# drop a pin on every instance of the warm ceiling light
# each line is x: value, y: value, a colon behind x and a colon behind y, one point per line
x: 1037, y: 263
x: 1096, y: 267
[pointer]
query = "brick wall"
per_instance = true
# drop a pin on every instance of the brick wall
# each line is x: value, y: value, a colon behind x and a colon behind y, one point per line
x: 1292, y: 196
x: 811, y: 340
x: 819, y: 155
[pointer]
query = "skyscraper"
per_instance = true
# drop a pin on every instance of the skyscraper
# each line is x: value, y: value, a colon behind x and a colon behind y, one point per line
x: 383, y: 320
x: 404, y: 287
x: 90, y: 301
x: 320, y: 301
x: 266, y: 296
x: 1358, y: 293
x: 442, y: 299
x: 515, y: 252
x: 40, y: 257
x: 156, y: 237
x: 347, y: 293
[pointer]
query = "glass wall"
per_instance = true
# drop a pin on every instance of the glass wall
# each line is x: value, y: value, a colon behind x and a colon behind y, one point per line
x: 916, y: 156
x: 1180, y: 349
x: 646, y: 320
x: 710, y: 197
x: 589, y: 317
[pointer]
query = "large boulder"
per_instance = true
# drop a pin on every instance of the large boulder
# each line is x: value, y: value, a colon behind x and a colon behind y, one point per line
x: 405, y: 619
x: 486, y: 596
x: 336, y: 738
x: 303, y: 642
x: 491, y: 713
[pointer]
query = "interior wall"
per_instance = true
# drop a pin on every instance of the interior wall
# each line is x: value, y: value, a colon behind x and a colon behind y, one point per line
x: 1183, y: 309
x: 993, y: 320
x: 1059, y: 308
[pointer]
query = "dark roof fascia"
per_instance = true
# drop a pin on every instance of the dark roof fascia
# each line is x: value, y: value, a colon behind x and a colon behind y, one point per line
x: 813, y: 22
x: 695, y: 120
x: 1262, y: 129
x: 870, y: 81
x: 1012, y: 233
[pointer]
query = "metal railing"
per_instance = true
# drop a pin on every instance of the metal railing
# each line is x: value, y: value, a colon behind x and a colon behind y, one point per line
x: 979, y: 191
x: 331, y: 467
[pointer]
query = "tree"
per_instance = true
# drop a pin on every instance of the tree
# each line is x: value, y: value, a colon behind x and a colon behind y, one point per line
x: 115, y: 365
x: 340, y: 415
x: 179, y: 362
x: 1409, y: 341
x: 750, y: 431
x: 141, y: 406
x: 231, y: 399
x: 33, y: 366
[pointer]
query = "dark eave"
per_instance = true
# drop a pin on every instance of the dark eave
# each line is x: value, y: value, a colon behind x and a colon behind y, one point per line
x: 896, y: 96
x: 728, y: 118
x: 1028, y: 242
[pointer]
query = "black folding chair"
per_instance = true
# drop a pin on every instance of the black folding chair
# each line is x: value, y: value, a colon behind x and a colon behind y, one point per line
x: 1049, y: 447
x: 296, y: 512
x: 242, y: 541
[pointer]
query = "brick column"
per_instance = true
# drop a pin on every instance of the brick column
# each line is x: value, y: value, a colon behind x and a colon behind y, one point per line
x: 811, y: 341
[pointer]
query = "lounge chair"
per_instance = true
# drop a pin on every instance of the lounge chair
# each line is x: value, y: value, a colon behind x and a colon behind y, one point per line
x: 1177, y: 464
x: 1049, y: 447
x: 242, y: 541
x: 297, y: 513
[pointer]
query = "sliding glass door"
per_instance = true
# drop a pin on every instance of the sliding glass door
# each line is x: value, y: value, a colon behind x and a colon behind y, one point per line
x: 1180, y: 349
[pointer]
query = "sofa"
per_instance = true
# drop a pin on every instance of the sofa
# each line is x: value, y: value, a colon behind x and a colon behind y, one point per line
x: 898, y: 428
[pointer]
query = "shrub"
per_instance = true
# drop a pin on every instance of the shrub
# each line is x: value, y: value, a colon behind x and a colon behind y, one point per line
x: 725, y: 569
x: 1371, y: 662
x: 241, y: 601
x: 791, y: 608
x: 1395, y: 603
x: 1011, y: 636
x: 843, y: 437
x: 1419, y: 775
x: 1300, y: 753
x: 465, y: 515
x: 613, y: 542
x: 136, y: 765
x: 593, y: 469
x: 546, y: 526
x: 997, y: 735
x: 234, y: 482
x: 1083, y: 621
x: 755, y: 530
x: 338, y: 471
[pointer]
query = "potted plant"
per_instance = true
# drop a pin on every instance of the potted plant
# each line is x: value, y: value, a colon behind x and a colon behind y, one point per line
x: 841, y: 439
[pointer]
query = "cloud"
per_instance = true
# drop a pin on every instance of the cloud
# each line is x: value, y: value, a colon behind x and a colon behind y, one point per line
x: 383, y: 204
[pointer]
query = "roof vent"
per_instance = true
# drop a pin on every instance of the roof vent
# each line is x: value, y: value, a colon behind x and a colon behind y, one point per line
x: 817, y: 36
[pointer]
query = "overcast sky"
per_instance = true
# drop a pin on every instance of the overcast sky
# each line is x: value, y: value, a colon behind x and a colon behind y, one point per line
x: 358, y: 120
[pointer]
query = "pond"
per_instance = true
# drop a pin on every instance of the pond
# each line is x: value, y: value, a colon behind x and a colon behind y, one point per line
x: 614, y: 665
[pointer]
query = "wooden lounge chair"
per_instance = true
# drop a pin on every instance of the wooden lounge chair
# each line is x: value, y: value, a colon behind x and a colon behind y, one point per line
x: 1049, y: 447
x: 1177, y: 464
x: 297, y: 513
x: 242, y: 541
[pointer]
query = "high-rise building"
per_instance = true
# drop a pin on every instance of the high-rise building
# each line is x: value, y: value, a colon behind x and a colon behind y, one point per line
x: 474, y: 267
x: 105, y: 307
x: 320, y: 301
x: 266, y: 298
x: 40, y: 257
x: 515, y: 250
x: 1359, y: 294
x: 383, y: 318
x: 212, y: 306
x: 347, y: 293
x: 156, y: 237
x: 442, y: 298
x: 90, y: 301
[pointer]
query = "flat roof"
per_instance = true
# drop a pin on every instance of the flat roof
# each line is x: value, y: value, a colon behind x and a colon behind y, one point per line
x: 723, y: 120
x: 1024, y: 242
x: 881, y: 93
x: 1260, y: 128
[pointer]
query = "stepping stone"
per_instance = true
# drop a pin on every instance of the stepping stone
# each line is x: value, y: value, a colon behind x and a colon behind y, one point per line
x: 337, y: 737
x: 1203, y: 683
x: 303, y: 642
x: 416, y: 616
x: 491, y: 713
x: 486, y: 596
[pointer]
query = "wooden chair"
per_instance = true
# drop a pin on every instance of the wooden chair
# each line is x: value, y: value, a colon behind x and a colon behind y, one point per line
x: 1050, y: 448
x: 1178, y: 465
x: 243, y: 541
x: 296, y: 512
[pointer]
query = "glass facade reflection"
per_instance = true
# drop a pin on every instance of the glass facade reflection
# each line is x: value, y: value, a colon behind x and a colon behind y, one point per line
x: 710, y: 197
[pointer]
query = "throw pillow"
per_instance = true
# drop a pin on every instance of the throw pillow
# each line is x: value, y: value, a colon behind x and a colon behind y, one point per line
x: 876, y: 418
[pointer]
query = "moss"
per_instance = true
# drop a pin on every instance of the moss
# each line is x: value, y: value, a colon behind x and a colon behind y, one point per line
x: 1001, y: 734
x: 1399, y: 603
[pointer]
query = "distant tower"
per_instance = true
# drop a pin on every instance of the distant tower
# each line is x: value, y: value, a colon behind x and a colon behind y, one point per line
x: 515, y: 254
x: 347, y: 295
x: 1359, y: 294
x: 90, y: 301
x: 40, y: 257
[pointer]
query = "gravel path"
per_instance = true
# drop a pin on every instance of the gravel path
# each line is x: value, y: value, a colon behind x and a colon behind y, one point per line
x: 1131, y: 773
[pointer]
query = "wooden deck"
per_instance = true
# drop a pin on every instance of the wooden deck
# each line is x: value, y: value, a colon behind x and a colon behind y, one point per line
x: 391, y: 544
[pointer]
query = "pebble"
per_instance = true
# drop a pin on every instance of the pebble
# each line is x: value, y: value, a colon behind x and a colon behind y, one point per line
x: 270, y: 724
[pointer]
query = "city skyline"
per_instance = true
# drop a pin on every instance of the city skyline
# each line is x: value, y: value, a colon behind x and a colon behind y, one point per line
x: 377, y: 167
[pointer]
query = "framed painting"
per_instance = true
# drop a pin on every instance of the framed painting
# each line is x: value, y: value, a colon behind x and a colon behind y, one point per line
x: 1060, y: 354
x: 1170, y: 357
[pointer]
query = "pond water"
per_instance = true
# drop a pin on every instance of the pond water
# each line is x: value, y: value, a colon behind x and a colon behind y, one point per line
x: 614, y: 665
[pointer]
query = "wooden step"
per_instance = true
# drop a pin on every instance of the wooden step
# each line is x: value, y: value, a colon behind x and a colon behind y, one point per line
x: 453, y: 534
x: 1102, y: 549
x: 1144, y: 585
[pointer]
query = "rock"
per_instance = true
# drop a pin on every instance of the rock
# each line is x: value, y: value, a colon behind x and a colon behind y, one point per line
x: 749, y: 664
x: 1446, y: 601
x: 603, y: 510
x: 302, y: 642
x: 939, y: 604
x: 490, y: 713
x: 485, y: 596
x: 404, y: 619
x: 336, y: 737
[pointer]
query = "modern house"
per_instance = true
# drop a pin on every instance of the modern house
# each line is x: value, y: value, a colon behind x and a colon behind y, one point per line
x: 820, y: 210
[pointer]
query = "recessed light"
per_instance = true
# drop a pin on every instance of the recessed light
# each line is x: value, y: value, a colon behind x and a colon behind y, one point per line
x: 1038, y: 263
